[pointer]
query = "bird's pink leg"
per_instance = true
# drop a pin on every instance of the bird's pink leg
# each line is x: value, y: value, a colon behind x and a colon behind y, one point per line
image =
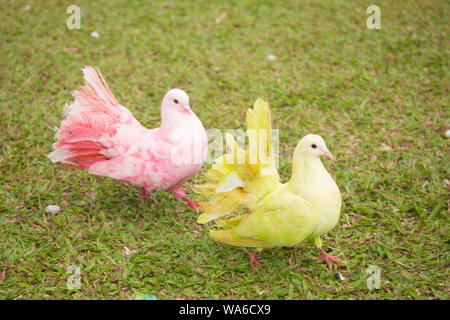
x: 179, y: 193
x: 145, y: 195
x: 253, y: 259
x: 328, y: 258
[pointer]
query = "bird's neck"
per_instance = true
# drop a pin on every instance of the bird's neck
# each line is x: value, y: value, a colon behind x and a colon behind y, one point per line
x: 306, y: 170
x: 171, y: 120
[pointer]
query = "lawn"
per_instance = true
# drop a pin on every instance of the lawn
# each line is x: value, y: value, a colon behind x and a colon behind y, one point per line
x: 378, y: 97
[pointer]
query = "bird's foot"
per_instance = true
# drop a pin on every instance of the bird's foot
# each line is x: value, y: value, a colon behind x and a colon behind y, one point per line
x: 253, y: 259
x: 179, y: 193
x: 328, y: 258
x: 145, y: 195
x: 191, y: 204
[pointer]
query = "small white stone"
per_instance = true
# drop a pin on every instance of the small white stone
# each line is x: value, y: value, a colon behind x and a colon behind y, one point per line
x: 447, y: 133
x: 52, y: 209
x: 339, y: 276
x: 27, y: 7
x: 222, y: 16
x: 271, y: 57
x: 95, y: 34
x: 384, y: 147
x: 126, y: 251
x: 446, y: 182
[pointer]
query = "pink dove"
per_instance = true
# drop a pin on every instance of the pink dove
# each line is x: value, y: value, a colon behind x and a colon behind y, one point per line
x: 103, y: 136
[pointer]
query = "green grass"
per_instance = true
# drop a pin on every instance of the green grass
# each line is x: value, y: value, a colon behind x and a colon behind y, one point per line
x: 358, y: 88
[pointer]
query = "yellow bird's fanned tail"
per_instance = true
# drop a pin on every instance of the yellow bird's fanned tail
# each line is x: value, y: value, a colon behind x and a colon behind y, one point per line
x: 241, y: 176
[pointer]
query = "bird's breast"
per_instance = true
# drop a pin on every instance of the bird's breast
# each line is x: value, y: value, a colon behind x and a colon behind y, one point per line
x: 327, y: 204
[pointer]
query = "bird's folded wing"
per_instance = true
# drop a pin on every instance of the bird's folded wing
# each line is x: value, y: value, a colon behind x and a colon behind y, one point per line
x: 227, y: 236
x: 280, y: 219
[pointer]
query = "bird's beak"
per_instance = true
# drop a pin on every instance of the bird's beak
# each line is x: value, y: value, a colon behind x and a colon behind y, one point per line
x: 187, y: 109
x: 327, y: 154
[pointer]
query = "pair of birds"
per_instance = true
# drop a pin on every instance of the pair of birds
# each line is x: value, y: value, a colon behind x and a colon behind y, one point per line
x: 102, y: 136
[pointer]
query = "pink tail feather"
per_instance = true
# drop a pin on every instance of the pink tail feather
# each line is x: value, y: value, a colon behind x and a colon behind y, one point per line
x: 88, y: 119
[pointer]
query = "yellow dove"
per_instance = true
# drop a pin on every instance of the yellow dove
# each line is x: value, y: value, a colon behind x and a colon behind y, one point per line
x: 243, y: 193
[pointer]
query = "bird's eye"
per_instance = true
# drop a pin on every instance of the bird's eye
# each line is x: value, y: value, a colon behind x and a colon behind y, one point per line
x: 175, y: 100
x: 313, y: 146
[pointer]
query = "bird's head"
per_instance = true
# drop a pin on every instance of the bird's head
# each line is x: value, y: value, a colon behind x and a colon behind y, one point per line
x: 176, y: 100
x: 314, y: 146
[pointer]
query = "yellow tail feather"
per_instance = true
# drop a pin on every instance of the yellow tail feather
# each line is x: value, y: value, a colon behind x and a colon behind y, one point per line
x: 234, y: 181
x: 226, y: 236
x: 230, y: 222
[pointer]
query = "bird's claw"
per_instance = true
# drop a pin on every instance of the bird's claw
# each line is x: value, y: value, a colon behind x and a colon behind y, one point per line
x: 328, y: 258
x: 192, y: 204
x: 181, y: 195
x: 145, y: 195
x: 253, y: 259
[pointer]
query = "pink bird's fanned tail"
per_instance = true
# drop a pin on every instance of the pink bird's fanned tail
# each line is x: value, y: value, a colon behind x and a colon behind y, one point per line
x: 88, y: 120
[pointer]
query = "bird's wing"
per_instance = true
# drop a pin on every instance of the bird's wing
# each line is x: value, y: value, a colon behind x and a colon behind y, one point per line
x: 241, y: 177
x: 280, y: 219
x: 137, y: 156
x: 228, y: 236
